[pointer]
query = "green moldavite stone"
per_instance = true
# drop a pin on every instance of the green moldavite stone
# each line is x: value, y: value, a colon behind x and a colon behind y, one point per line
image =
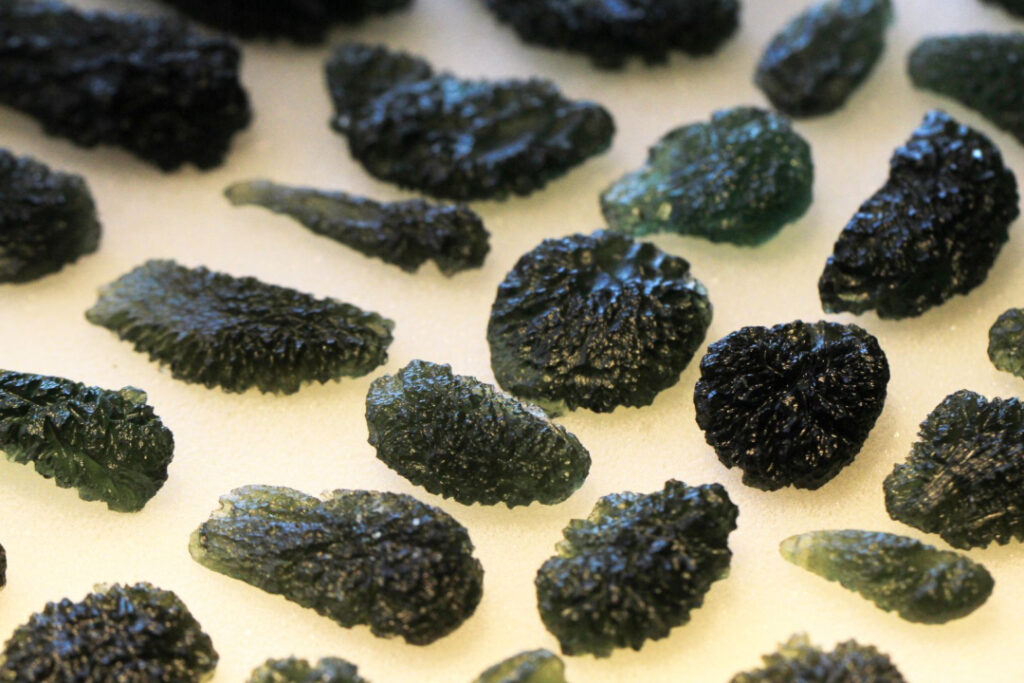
x: 1006, y: 342
x: 798, y: 661
x: 897, y: 573
x: 535, y: 666
x: 3, y: 567
x: 737, y: 179
x: 294, y: 670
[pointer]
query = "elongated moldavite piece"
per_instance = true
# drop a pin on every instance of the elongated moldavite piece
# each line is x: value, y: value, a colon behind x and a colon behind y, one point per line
x: 535, y: 666
x: 798, y: 661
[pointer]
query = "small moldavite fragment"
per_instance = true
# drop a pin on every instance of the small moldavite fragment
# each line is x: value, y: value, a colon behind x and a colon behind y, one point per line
x: 454, y: 138
x: 595, y: 321
x: 133, y: 634
x: 1006, y: 342
x: 3, y: 567
x: 932, y: 231
x: 235, y: 333
x: 739, y: 179
x: 107, y: 444
x: 635, y: 568
x: 798, y: 661
x: 964, y: 479
x: 358, y: 557
x: 816, y: 62
x: 793, y: 404
x: 294, y: 670
x: 403, y: 233
x: 535, y: 666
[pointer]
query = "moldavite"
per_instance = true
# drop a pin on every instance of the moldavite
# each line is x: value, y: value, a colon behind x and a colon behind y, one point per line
x: 535, y: 666
x: 3, y: 567
x: 635, y: 567
x: 798, y: 661
x: 358, y: 557
x: 133, y: 634
x: 294, y: 670
x: 1006, y: 342
x: 459, y: 438
x: 107, y: 444
x: 168, y: 94
x: 595, y: 321
x: 739, y: 179
x: 1012, y: 6
x: 403, y: 233
x: 235, y: 333
x: 931, y: 232
x: 455, y: 138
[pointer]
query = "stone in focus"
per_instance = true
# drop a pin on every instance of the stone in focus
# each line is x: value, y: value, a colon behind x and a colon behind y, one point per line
x: 295, y: 670
x: 798, y: 661
x: 535, y: 666
x: 1006, y: 342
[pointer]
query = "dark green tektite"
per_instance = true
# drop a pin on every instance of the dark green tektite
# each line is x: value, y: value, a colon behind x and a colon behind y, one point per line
x: 799, y: 661
x: 1006, y: 342
x: 295, y: 670
x: 535, y: 666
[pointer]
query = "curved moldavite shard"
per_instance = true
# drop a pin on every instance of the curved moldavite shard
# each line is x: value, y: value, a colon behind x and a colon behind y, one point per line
x: 358, y: 557
x: 166, y: 93
x: 459, y: 438
x: 535, y: 666
x: 816, y: 62
x: 793, y: 404
x: 964, y: 479
x: 294, y: 670
x: 403, y: 233
x: 134, y: 634
x: 798, y: 661
x: 1006, y: 342
x: 635, y: 568
x: 739, y: 179
x: 107, y: 444
x: 932, y: 231
x: 236, y: 333
x: 455, y: 138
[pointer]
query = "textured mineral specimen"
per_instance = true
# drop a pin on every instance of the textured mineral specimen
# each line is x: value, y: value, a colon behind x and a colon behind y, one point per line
x: 896, y: 573
x: 403, y: 233
x: 455, y: 138
x: 107, y: 444
x: 793, y: 404
x: 535, y: 666
x: 932, y: 231
x: 964, y: 479
x: 358, y: 557
x: 1006, y: 342
x: 1012, y: 6
x: 797, y: 661
x: 739, y: 179
x: 816, y: 62
x: 595, y: 321
x: 294, y: 670
x: 166, y: 93
x: 635, y: 568
x: 128, y: 634
x: 235, y: 333
x: 3, y: 567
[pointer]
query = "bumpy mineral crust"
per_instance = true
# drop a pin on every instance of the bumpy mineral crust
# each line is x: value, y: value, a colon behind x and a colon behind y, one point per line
x: 295, y: 670
x: 1006, y: 342
x: 535, y: 666
x: 798, y: 661
x: 358, y: 557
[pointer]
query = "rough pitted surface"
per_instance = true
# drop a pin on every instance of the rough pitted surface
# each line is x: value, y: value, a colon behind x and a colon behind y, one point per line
x: 454, y: 138
x: 535, y: 666
x: 405, y: 233
x: 739, y: 179
x: 459, y: 438
x: 236, y: 333
x: 798, y: 661
x: 791, y: 404
x: 107, y: 444
x: 294, y: 670
x: 166, y: 93
x: 931, y: 232
x: 1012, y: 6
x: 1006, y: 342
x: 635, y: 568
x: 127, y: 634
x: 358, y: 557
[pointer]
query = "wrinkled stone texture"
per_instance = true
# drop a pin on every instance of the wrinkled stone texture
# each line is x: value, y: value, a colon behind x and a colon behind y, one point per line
x: 791, y: 405
x: 236, y: 333
x: 595, y: 321
x: 294, y: 670
x: 635, y: 568
x: 931, y: 232
x: 454, y: 138
x: 535, y: 666
x: 358, y: 557
x: 1006, y: 342
x: 798, y: 661
x: 738, y: 179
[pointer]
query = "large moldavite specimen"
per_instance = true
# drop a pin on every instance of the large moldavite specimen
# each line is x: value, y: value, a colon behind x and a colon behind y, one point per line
x: 932, y: 231
x: 168, y: 94
x: 635, y: 568
x: 793, y: 404
x: 739, y: 179
x: 235, y: 333
x: 133, y: 634
x: 358, y: 557
x: 107, y: 444
x: 816, y: 62
x: 595, y: 321
x: 1006, y: 342
x: 535, y: 666
x: 964, y: 479
x: 798, y: 661
x: 294, y: 670
x: 403, y: 233
x: 454, y: 138
x: 459, y: 438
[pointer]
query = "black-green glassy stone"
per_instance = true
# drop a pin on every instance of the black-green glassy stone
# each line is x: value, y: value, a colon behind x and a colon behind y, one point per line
x: 1012, y: 6
x: 798, y: 661
x: 635, y: 567
x: 236, y: 333
x: 127, y: 634
x: 294, y: 670
x: 1006, y: 342
x: 358, y: 557
x: 897, y: 573
x: 107, y: 444
x: 535, y: 666
x: 738, y: 179
x: 3, y: 567
x: 459, y: 438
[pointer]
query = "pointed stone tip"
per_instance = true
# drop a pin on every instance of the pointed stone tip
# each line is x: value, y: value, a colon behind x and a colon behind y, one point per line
x: 247, y: 191
x: 792, y: 550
